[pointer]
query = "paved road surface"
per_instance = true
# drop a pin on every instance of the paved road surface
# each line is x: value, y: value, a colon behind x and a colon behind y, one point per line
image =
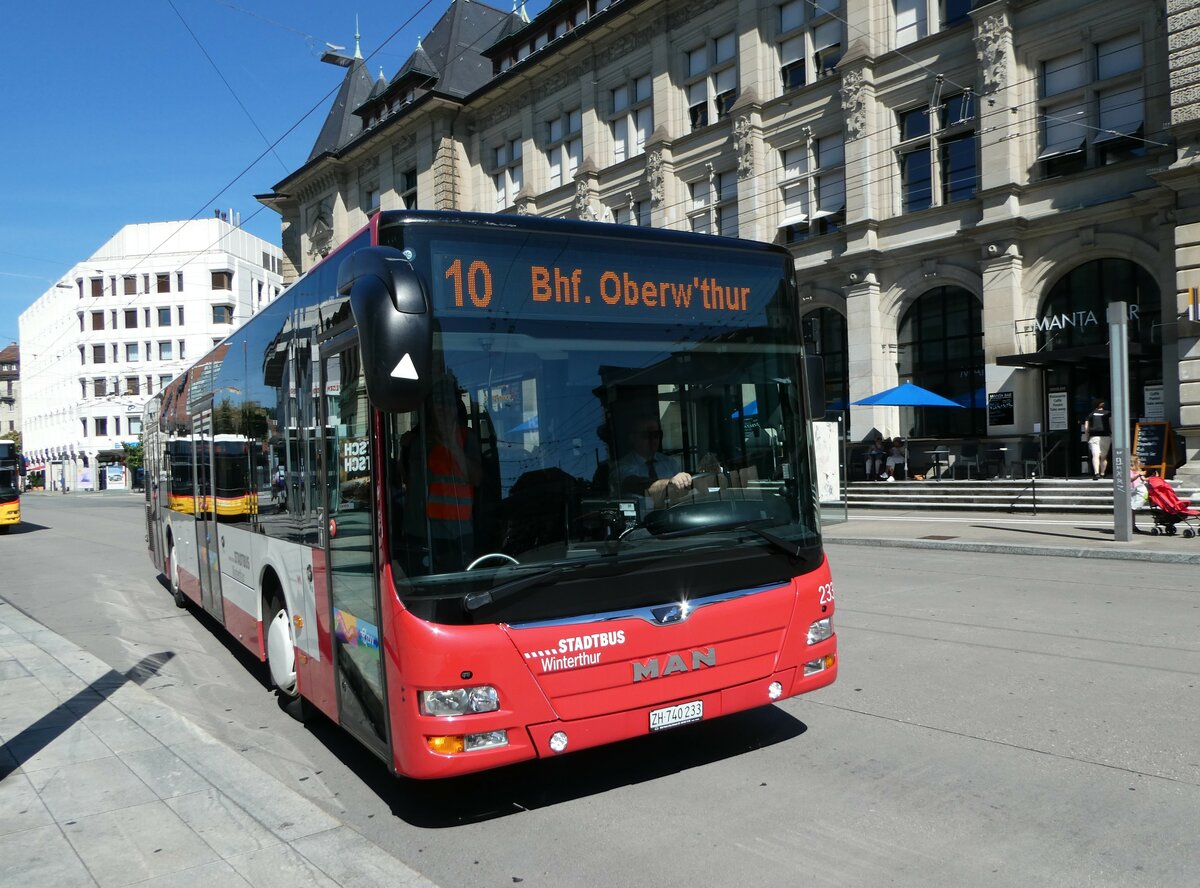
x: 999, y: 720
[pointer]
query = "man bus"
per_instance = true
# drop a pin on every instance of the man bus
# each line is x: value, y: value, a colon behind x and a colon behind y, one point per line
x: 10, y: 486
x: 460, y: 575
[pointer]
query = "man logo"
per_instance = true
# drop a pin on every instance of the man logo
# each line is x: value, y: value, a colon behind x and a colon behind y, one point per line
x: 652, y: 668
x: 671, y: 613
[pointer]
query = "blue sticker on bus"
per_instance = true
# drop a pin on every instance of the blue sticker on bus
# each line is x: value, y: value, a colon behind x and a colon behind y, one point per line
x: 368, y: 634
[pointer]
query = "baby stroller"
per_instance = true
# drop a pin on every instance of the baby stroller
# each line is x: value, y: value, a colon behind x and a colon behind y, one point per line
x: 1169, y: 510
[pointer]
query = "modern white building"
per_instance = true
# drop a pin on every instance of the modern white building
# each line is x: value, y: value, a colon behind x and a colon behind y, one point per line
x: 965, y: 185
x: 119, y: 326
x: 10, y: 390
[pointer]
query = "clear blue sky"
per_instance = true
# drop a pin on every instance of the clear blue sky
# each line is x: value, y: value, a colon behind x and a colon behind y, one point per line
x: 119, y: 112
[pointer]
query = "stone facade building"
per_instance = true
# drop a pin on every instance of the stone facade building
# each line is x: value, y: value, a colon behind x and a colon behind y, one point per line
x: 965, y: 186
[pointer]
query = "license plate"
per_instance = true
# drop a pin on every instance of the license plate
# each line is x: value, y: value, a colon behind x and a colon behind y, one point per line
x: 673, y: 716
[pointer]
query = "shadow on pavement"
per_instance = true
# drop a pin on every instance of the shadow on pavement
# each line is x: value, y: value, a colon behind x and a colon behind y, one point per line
x: 1086, y: 534
x: 23, y: 527
x: 33, y: 739
x: 440, y: 804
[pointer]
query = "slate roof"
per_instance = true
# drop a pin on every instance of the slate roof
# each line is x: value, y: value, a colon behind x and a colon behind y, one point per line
x: 455, y: 44
x: 448, y: 61
x: 341, y: 125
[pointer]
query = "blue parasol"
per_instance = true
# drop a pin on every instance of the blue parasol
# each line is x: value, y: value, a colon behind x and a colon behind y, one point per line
x: 905, y: 395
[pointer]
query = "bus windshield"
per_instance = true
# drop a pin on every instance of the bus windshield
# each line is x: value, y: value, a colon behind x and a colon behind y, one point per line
x: 8, y: 472
x: 598, y: 434
x: 8, y: 482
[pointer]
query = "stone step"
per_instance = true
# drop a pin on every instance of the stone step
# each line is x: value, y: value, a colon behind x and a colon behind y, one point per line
x: 1000, y: 495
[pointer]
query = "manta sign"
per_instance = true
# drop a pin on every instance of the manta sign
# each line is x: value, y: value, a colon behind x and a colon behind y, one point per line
x: 1077, y: 320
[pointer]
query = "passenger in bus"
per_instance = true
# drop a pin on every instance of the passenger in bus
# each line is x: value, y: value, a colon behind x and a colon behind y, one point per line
x: 644, y: 470
x: 440, y: 488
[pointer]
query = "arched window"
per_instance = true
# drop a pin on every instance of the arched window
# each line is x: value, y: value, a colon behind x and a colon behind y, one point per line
x: 1074, y: 312
x: 941, y: 349
x: 825, y: 335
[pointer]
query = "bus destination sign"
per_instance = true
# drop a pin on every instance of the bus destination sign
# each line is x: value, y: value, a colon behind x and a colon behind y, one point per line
x: 482, y: 282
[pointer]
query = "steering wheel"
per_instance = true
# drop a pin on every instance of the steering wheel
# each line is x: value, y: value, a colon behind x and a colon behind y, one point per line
x: 489, y: 556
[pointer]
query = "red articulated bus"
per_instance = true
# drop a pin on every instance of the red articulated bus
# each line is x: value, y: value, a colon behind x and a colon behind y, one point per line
x: 522, y: 487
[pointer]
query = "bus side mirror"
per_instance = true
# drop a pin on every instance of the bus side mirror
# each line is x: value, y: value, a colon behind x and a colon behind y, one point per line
x: 814, y: 375
x: 395, y: 330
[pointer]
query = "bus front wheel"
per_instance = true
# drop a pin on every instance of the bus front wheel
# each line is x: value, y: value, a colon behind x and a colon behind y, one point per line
x: 281, y: 661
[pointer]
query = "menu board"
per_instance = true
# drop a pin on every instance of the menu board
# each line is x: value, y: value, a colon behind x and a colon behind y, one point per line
x: 1000, y: 409
x: 1153, y: 446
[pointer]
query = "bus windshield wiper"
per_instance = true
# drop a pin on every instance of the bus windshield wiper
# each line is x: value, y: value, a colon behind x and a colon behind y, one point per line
x: 473, y: 601
x: 756, y: 527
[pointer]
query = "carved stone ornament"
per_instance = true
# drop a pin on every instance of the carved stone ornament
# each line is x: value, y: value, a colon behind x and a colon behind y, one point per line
x: 688, y: 12
x: 320, y: 228
x: 583, y: 202
x: 854, y: 103
x: 744, y: 141
x: 990, y: 44
x: 654, y: 176
x: 403, y: 145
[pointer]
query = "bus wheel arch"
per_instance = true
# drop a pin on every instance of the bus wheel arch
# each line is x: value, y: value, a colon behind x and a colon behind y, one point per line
x: 280, y: 644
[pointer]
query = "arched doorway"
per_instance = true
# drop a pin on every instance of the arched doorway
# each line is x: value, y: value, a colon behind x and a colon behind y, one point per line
x: 941, y: 349
x: 824, y: 331
x: 1072, y: 340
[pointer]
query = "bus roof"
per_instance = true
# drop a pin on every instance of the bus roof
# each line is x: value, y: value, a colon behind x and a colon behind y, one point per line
x: 559, y: 227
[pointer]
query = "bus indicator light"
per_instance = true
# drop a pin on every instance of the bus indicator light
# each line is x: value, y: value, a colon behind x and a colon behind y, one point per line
x: 457, y: 743
x: 812, y: 667
x: 446, y: 745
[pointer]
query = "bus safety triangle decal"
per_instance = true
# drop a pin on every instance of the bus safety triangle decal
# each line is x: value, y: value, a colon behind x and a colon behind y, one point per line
x: 405, y: 369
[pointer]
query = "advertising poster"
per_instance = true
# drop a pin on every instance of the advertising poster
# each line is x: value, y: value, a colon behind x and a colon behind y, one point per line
x: 1057, y: 411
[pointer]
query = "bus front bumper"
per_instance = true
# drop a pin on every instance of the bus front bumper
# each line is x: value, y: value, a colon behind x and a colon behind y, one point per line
x: 10, y: 513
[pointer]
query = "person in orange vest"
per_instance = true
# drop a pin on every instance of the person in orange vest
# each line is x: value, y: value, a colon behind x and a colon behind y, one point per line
x: 440, y: 490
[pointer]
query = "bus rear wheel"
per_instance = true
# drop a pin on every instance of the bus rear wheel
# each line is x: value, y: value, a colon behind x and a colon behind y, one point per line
x: 281, y: 660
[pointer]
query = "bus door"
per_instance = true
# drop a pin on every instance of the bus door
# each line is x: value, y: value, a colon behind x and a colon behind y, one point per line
x: 205, y: 499
x: 350, y: 548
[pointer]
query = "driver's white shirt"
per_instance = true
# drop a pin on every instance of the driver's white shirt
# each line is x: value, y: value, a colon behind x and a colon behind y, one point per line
x: 633, y: 465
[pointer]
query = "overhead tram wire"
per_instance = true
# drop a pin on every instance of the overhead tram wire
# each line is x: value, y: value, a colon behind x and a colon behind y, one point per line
x: 893, y: 172
x: 211, y: 201
x: 228, y: 86
x: 884, y: 174
x: 1007, y: 111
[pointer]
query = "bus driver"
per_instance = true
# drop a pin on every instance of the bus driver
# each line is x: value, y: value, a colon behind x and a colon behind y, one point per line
x: 644, y: 470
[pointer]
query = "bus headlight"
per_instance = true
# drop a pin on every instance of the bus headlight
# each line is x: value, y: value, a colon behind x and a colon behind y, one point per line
x: 459, y: 701
x: 820, y: 630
